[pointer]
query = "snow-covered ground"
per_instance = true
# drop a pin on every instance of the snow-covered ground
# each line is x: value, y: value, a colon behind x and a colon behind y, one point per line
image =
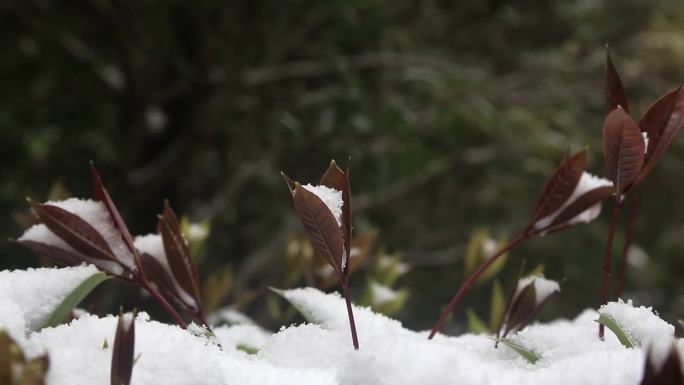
x: 319, y: 352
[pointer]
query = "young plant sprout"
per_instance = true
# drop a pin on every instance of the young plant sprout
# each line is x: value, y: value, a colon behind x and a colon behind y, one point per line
x: 663, y: 365
x: 524, y: 303
x: 124, y: 350
x: 571, y: 196
x: 631, y: 150
x: 325, y: 212
x: 74, y: 231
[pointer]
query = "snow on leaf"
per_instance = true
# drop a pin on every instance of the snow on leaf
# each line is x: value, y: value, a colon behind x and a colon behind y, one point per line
x: 62, y: 311
x: 320, y: 225
x: 615, y: 327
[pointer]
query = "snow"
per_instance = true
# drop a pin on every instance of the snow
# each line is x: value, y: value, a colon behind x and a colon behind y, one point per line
x: 28, y: 297
x: 97, y: 216
x: 321, y: 353
x: 543, y: 287
x: 586, y: 183
x: 331, y: 197
x: 645, y: 136
x: 641, y: 323
x: 382, y: 294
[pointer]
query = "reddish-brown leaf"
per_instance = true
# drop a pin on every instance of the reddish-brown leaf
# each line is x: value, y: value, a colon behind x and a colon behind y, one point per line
x: 178, y: 256
x: 123, y: 351
x: 520, y: 310
x: 320, y: 225
x: 581, y: 204
x: 73, y: 258
x: 561, y: 185
x: 623, y: 149
x: 337, y: 179
x: 76, y: 232
x: 615, y: 92
x: 160, y: 276
x: 662, y: 121
x: 100, y: 194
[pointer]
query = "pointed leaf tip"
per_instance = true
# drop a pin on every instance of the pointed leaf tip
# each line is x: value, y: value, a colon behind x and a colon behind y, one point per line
x: 615, y: 93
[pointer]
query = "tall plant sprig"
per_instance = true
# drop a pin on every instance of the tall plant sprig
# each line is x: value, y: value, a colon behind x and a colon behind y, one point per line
x: 329, y: 235
x: 569, y: 197
x: 631, y: 150
x: 69, y: 239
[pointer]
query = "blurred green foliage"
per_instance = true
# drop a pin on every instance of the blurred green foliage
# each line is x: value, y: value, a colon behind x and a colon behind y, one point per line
x: 453, y: 112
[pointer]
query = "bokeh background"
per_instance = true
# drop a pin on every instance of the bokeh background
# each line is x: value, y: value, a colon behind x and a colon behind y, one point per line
x: 454, y: 114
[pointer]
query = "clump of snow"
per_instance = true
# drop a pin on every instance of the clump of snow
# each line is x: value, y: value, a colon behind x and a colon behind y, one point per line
x: 586, y: 183
x: 331, y: 197
x: 543, y: 287
x: 96, y: 215
x: 33, y: 294
x: 645, y: 136
x: 382, y: 294
x: 641, y: 323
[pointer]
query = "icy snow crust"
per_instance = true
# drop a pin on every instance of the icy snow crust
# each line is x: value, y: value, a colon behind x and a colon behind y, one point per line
x: 319, y: 353
x: 642, y: 325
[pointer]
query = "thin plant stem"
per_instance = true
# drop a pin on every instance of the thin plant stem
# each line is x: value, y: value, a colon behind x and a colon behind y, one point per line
x: 607, y: 257
x: 162, y: 301
x: 629, y: 239
x: 470, y: 281
x: 344, y: 283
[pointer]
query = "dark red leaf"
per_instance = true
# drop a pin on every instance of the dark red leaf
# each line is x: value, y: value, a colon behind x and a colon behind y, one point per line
x: 162, y: 278
x: 73, y: 258
x: 668, y: 373
x: 662, y: 122
x: 615, y: 92
x: 623, y: 149
x: 123, y: 351
x: 581, y: 204
x: 76, y: 232
x: 320, y: 225
x: 561, y: 185
x: 337, y: 179
x: 520, y: 309
x: 178, y: 256
x: 100, y: 194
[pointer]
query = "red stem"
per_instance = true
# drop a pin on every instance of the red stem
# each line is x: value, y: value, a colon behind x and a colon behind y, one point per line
x: 162, y: 301
x: 607, y: 257
x: 352, y: 325
x: 465, y: 287
x: 629, y: 239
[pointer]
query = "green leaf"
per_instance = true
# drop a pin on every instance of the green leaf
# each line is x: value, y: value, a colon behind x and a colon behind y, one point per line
x: 308, y: 317
x: 615, y: 327
x: 247, y: 349
x: 527, y: 354
x: 475, y: 323
x: 497, y: 306
x: 63, y: 310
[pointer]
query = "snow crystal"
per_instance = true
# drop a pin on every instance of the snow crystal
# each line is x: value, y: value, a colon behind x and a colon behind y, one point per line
x: 36, y: 293
x: 641, y: 323
x: 586, y: 183
x: 96, y: 215
x: 331, y: 197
